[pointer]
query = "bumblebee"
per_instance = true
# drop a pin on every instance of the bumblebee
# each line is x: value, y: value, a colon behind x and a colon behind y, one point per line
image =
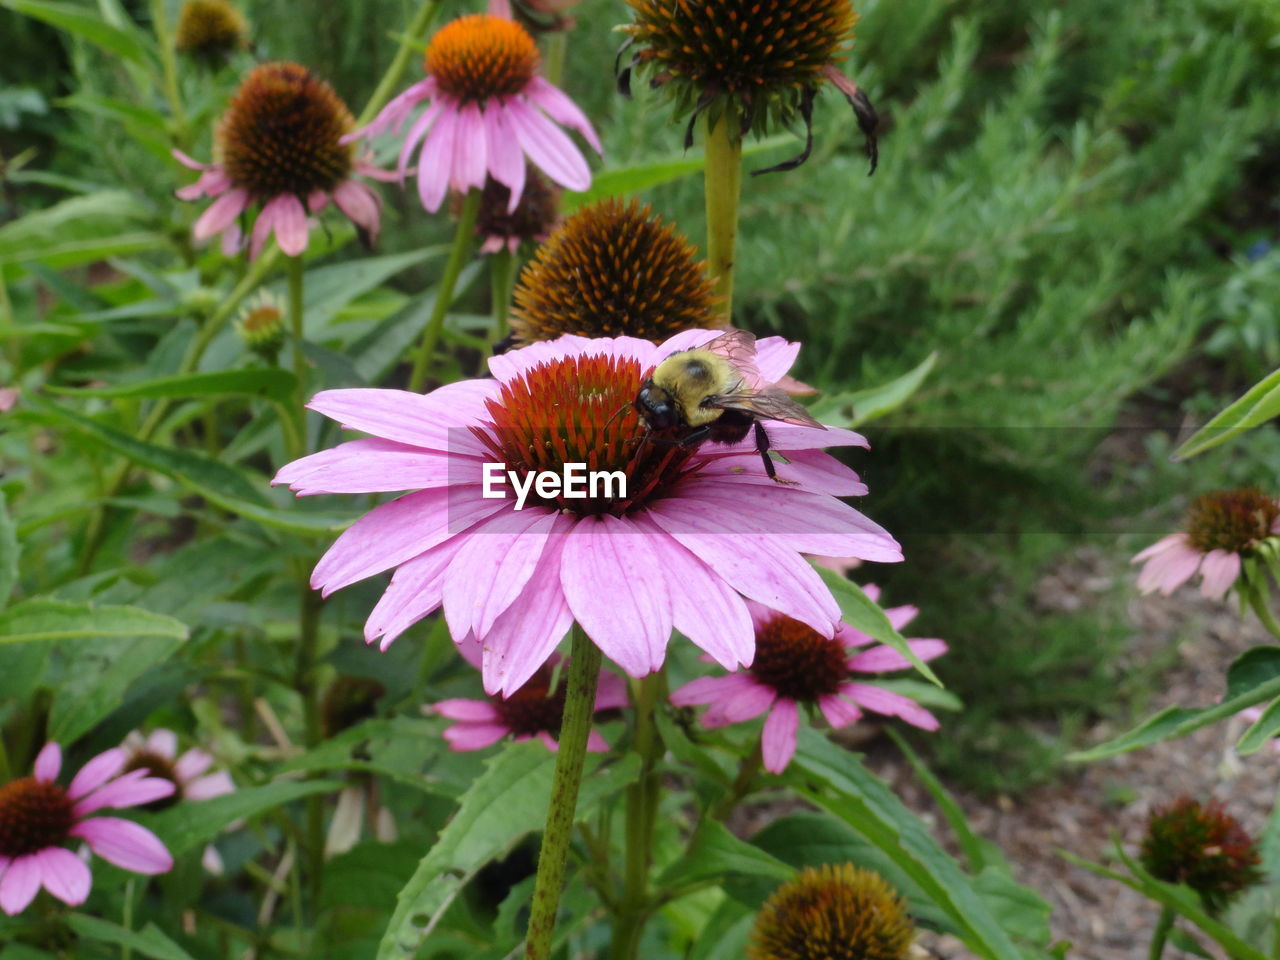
x: 714, y: 393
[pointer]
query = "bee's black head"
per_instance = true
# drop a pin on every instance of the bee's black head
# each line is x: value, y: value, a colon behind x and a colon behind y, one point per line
x: 655, y: 406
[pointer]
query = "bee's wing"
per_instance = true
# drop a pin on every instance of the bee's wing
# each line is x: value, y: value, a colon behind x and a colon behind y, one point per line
x: 768, y: 404
x: 739, y: 348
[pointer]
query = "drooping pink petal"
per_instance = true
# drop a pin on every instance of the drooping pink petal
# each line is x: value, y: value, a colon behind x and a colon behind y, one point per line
x: 48, y: 763
x: 472, y: 711
x: 366, y: 168
x: 400, y: 530
x: 548, y: 147
x: 492, y: 568
x: 542, y: 93
x: 473, y: 736
x: 436, y: 421
x: 290, y: 224
x: 221, y: 213
x: 317, y: 201
x: 20, y: 884
x: 124, y: 843
x: 372, y: 465
x: 434, y: 163
x: 711, y: 689
x: 778, y: 741
x: 890, y: 704
x: 97, y: 772
x: 126, y: 791
x: 747, y: 701
x: 1160, y: 546
x: 414, y: 137
x: 65, y: 875
x: 262, y: 228
x: 395, y: 112
x: 617, y: 592
x: 813, y: 470
x: 163, y: 743
x: 899, y: 617
x: 232, y: 240
x: 214, y: 785
x: 470, y: 160
x: 416, y: 589
x: 596, y: 743
x: 212, y: 183
x: 189, y: 161
x: 500, y: 8
x: 1169, y: 569
x: 502, y: 148
x: 361, y: 205
x: 1219, y: 570
x: 882, y: 658
x: 838, y: 711
x: 775, y: 356
x: 192, y: 763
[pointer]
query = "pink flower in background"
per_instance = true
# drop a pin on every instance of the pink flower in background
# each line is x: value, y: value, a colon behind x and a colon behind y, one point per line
x: 532, y: 711
x: 487, y: 110
x: 628, y: 568
x: 38, y: 817
x: 1252, y: 715
x: 157, y: 754
x: 279, y: 146
x: 796, y: 665
x: 1220, y: 530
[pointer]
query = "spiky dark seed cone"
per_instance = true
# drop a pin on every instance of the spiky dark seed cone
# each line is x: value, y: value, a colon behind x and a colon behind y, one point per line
x: 212, y: 29
x: 533, y: 218
x: 1202, y: 846
x: 534, y: 708
x: 798, y: 662
x: 33, y: 815
x: 759, y: 54
x: 479, y: 56
x: 613, y: 269
x: 280, y: 133
x: 1234, y: 520
x: 832, y: 913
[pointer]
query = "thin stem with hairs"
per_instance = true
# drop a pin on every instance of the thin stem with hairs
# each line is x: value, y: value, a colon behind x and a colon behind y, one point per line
x: 458, y: 253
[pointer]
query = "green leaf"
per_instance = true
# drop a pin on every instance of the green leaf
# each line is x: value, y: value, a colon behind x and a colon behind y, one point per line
x: 1259, y: 404
x: 1188, y: 944
x: 190, y: 825
x: 68, y: 232
x: 1263, y: 730
x: 508, y: 801
x: 272, y: 383
x: 718, y: 852
x: 78, y: 21
x: 862, y: 613
x: 835, y: 780
x: 150, y: 941
x: 856, y: 407
x: 1019, y: 909
x: 329, y: 289
x: 44, y: 619
x: 9, y: 550
x: 977, y: 851
x: 1252, y: 678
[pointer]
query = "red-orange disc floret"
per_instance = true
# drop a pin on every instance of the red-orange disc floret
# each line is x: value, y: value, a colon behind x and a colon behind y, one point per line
x: 480, y: 56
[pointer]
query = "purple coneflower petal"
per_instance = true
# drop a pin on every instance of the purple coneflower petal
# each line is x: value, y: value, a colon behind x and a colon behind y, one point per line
x: 470, y: 157
x: 611, y: 694
x: 221, y: 213
x: 361, y: 205
x: 492, y: 568
x: 471, y: 711
x: 1169, y: 569
x: 395, y: 112
x: 506, y: 161
x: 214, y: 785
x: 290, y: 223
x: 317, y: 201
x: 778, y: 741
x: 711, y: 689
x: 474, y: 736
x: 434, y: 163
x: 838, y: 711
x: 262, y: 228
x: 617, y: 591
x: 548, y: 147
x: 813, y: 470
x: 131, y: 790
x: 212, y: 183
x: 394, y: 532
x: 890, y: 704
x: 1160, y: 546
x: 368, y: 466
x: 125, y: 844
x: 416, y: 589
x: 192, y: 763
x: 435, y: 421
x: 20, y: 884
x: 232, y: 240
x: 881, y: 659
x: 414, y: 137
x: 747, y: 701
x: 96, y: 772
x: 65, y: 875
x: 791, y: 436
x: 1219, y: 571
x: 595, y: 742
x: 48, y: 762
x: 899, y: 617
x: 542, y: 93
x: 163, y: 743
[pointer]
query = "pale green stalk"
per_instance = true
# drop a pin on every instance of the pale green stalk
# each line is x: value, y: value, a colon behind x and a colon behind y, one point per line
x: 723, y: 179
x: 458, y: 254
x: 414, y: 36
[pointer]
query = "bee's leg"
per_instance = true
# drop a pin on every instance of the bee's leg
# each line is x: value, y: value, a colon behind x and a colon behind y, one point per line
x: 691, y: 439
x: 762, y: 446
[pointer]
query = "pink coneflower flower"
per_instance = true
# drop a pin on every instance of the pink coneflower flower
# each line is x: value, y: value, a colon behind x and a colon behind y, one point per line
x: 1220, y: 530
x: 629, y: 562
x: 279, y: 145
x: 157, y: 754
x: 38, y: 817
x: 487, y: 111
x: 532, y: 711
x: 796, y: 665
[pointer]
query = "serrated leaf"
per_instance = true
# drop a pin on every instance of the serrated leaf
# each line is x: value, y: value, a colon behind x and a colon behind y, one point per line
x: 1259, y: 404
x: 1261, y: 732
x: 150, y: 941
x: 190, y: 825
x: 862, y: 613
x: 79, y: 21
x: 9, y: 550
x: 271, y: 382
x: 835, y: 780
x: 507, y: 802
x: 45, y: 619
x: 856, y: 407
x: 1252, y: 678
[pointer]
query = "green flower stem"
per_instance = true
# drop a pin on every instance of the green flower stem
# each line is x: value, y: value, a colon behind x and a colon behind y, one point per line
x: 1258, y: 597
x: 169, y: 64
x: 723, y: 174
x: 444, y: 292
x: 1161, y: 935
x: 313, y: 727
x: 579, y: 706
x: 297, y: 442
x: 748, y: 770
x: 96, y: 529
x: 502, y: 275
x: 553, y: 58
x: 410, y: 44
x: 641, y: 814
